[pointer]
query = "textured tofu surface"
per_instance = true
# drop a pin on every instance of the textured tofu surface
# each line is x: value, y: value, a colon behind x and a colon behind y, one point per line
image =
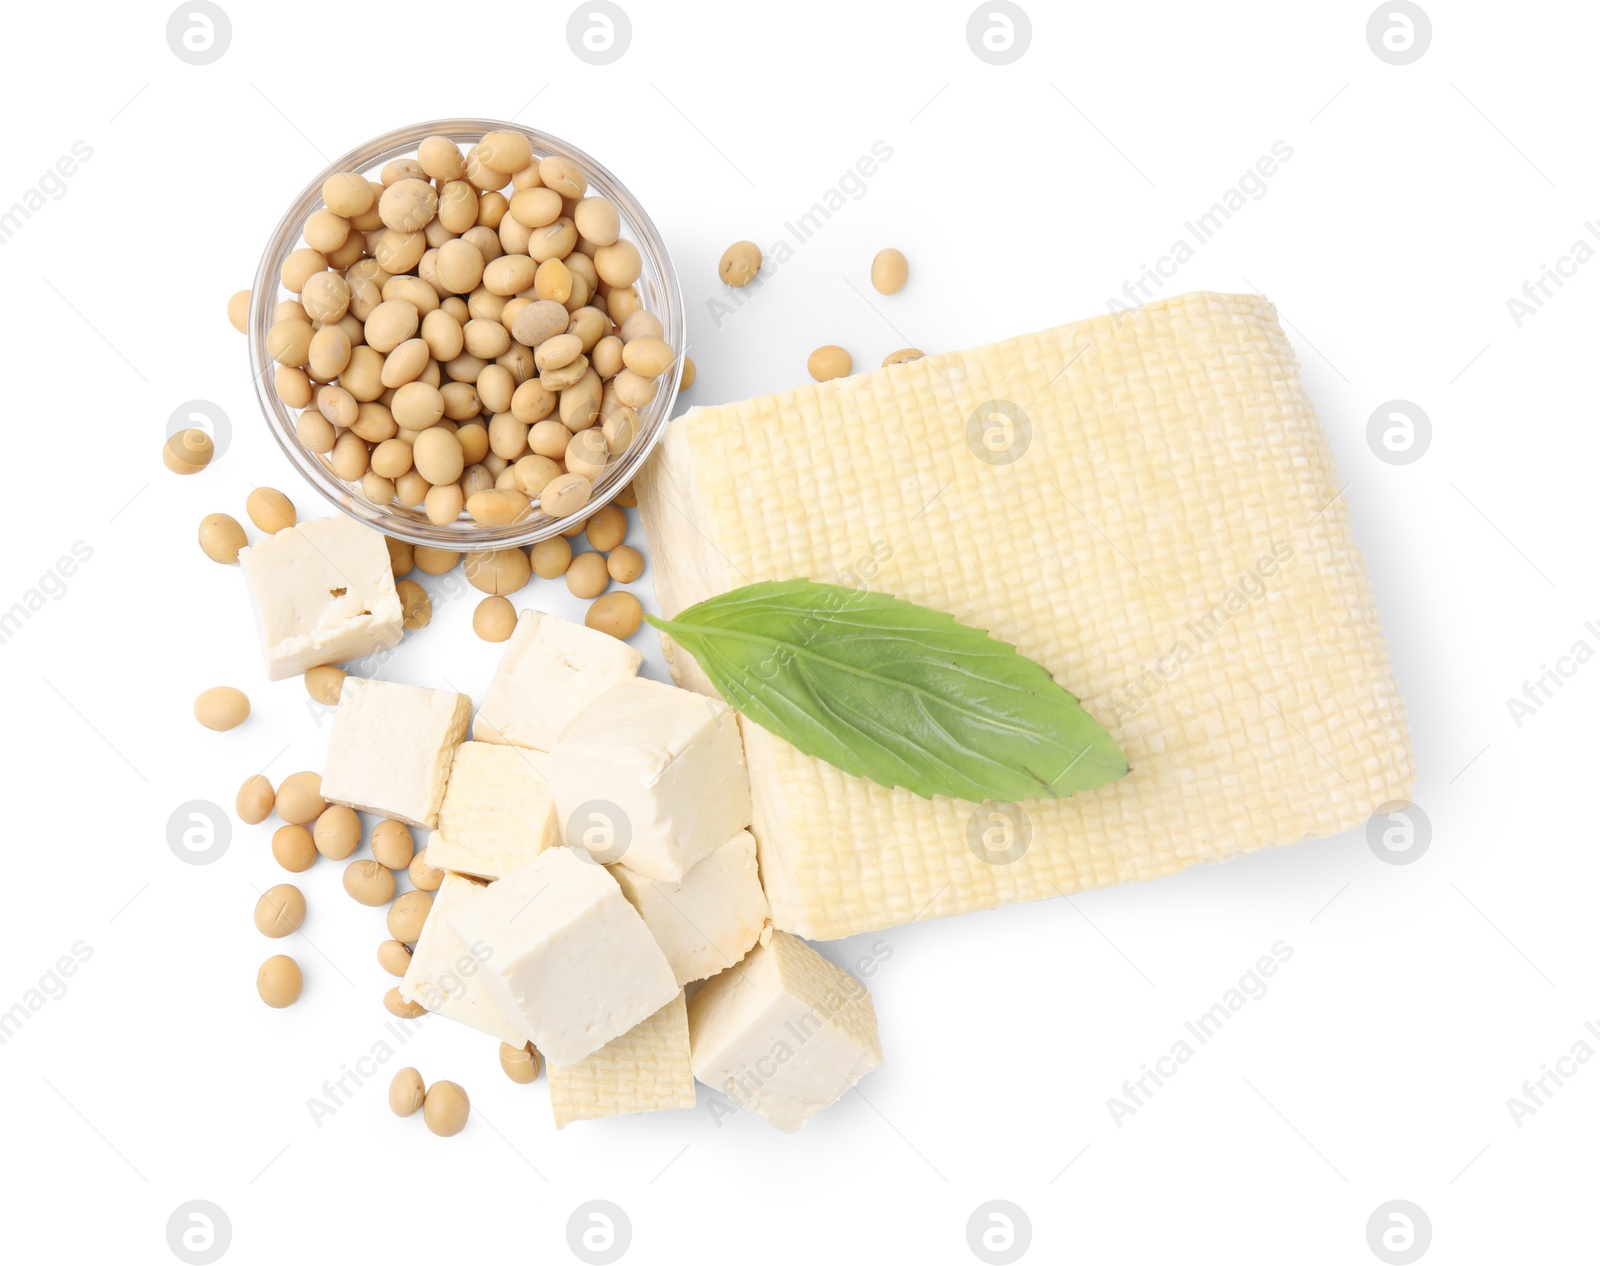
x: 1165, y: 535
x: 705, y: 923
x: 497, y: 813
x: 391, y: 746
x: 644, y: 1070
x: 323, y: 593
x: 550, y: 669
x: 445, y: 974
x: 568, y: 960
x: 785, y: 1033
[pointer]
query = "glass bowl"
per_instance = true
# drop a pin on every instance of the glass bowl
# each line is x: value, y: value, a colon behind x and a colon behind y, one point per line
x: 658, y: 292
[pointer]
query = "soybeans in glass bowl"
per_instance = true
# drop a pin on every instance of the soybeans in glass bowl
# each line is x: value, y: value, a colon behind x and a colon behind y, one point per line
x: 466, y: 334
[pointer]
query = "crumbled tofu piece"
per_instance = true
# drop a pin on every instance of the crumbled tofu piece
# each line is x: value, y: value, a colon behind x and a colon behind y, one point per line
x: 644, y: 1070
x: 705, y: 923
x: 391, y: 746
x: 663, y: 768
x: 785, y: 1033
x: 550, y: 669
x: 323, y: 593
x: 570, y: 961
x: 497, y: 815
x: 446, y: 973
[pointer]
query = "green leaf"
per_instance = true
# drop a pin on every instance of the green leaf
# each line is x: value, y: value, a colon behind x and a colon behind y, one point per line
x: 895, y: 692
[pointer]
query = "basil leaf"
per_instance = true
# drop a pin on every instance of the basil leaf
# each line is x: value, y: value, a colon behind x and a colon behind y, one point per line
x: 895, y: 692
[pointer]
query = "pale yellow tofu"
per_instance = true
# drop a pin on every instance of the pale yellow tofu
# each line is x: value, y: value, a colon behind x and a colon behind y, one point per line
x: 706, y: 922
x: 1145, y: 504
x: 391, y: 747
x: 644, y: 1070
x: 550, y: 668
x: 323, y: 593
x: 497, y: 814
x: 785, y: 1033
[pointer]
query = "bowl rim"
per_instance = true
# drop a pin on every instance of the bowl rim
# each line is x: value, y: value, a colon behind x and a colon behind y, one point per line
x: 402, y: 522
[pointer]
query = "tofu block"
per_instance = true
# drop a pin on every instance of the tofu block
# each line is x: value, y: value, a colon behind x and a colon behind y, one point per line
x: 570, y: 962
x: 705, y: 923
x: 550, y: 669
x: 446, y: 974
x: 785, y: 1033
x: 391, y: 746
x: 497, y: 814
x: 644, y: 1070
x: 663, y: 768
x: 1179, y: 557
x: 322, y: 593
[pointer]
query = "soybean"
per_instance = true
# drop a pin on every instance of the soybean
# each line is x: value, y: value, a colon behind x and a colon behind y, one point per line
x: 416, y: 608
x: 564, y: 495
x: 618, y: 614
x: 253, y: 804
x: 394, y: 957
x: 888, y: 271
x: 300, y: 799
x: 499, y: 571
x: 221, y: 707
x: 187, y: 452
x: 495, y: 619
x: 408, y: 913
x: 369, y: 882
x: 424, y: 878
x: 222, y: 538
x: 270, y: 510
x: 740, y: 263
x: 521, y: 1063
x: 337, y: 832
x: 551, y: 557
x: 406, y: 1092
x: 398, y: 1006
x: 280, y: 911
x: 279, y: 981
x: 445, y: 1107
x: 587, y: 577
x: 827, y: 362
x: 325, y: 684
x: 293, y: 848
x: 392, y: 844
x: 625, y: 564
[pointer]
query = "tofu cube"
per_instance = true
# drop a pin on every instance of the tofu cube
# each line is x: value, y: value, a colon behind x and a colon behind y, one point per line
x: 446, y: 973
x: 705, y: 923
x: 785, y: 1033
x: 662, y: 769
x: 550, y: 669
x: 497, y: 814
x: 570, y: 962
x: 322, y: 593
x: 390, y: 748
x: 644, y: 1070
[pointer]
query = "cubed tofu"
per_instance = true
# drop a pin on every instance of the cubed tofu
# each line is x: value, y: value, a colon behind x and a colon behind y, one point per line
x: 663, y: 767
x: 570, y: 962
x: 323, y: 593
x: 446, y: 973
x: 390, y: 748
x: 785, y: 1033
x: 705, y: 923
x: 644, y: 1070
x: 497, y: 814
x: 550, y: 669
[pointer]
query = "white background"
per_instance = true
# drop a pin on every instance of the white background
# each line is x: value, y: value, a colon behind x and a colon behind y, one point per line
x: 1419, y: 997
